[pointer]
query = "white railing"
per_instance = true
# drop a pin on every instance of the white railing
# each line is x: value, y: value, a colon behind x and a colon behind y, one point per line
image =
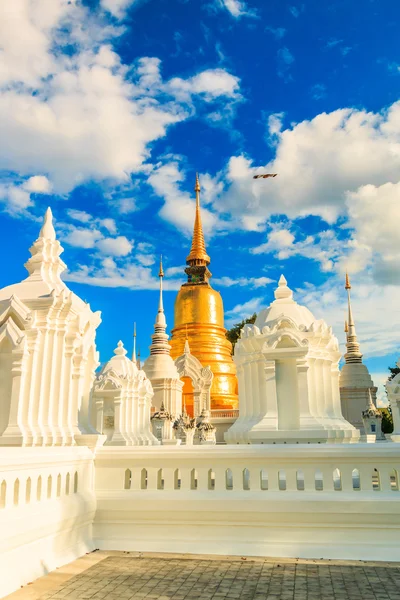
x: 47, y: 507
x: 339, y: 501
x: 251, y: 468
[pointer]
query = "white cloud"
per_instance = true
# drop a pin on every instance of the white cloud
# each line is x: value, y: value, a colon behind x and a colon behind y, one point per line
x: 250, y: 282
x: 108, y: 224
x: 285, y: 60
x: 323, y: 247
x: 277, y: 32
x: 278, y: 239
x: 129, y: 274
x: 82, y: 238
x: 212, y: 83
x: 118, y: 7
x: 38, y: 184
x: 377, y: 327
x: 317, y: 163
x: 119, y: 246
x: 89, y: 118
x: 79, y: 215
x: 179, y: 207
x: 243, y: 311
x: 373, y: 213
x: 126, y: 206
x: 237, y: 8
x: 146, y: 259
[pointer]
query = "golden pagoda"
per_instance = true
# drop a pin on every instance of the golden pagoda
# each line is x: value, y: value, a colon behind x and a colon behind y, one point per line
x: 199, y: 319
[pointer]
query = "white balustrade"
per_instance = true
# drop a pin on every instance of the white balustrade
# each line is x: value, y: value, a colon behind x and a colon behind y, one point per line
x: 264, y: 469
x: 47, y: 506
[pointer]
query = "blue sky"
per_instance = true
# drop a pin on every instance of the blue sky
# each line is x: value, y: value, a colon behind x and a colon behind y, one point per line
x: 109, y: 108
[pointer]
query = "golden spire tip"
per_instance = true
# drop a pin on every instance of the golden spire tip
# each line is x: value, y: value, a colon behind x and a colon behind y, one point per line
x: 347, y: 284
x: 346, y: 327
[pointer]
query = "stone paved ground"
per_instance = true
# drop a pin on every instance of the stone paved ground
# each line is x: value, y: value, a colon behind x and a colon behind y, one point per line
x: 144, y: 578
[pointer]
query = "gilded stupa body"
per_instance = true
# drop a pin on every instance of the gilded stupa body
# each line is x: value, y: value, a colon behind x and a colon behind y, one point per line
x: 199, y: 318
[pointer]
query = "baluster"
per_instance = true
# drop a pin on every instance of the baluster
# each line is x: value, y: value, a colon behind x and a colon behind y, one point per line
x: 202, y: 478
x: 273, y: 479
x: 237, y: 474
x: 169, y: 478
x: 220, y: 479
x: 152, y: 478
x: 384, y: 474
x: 185, y: 478
x: 309, y: 479
x: 327, y: 474
x: 291, y: 479
x: 365, y: 478
x: 347, y: 478
x: 136, y: 478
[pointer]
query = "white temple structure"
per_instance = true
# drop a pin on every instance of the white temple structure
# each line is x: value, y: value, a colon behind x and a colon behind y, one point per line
x: 201, y: 377
x: 122, y: 397
x: 287, y: 365
x: 48, y: 354
x: 355, y: 382
x: 163, y: 374
x: 393, y: 391
x: 372, y: 422
x: 66, y: 493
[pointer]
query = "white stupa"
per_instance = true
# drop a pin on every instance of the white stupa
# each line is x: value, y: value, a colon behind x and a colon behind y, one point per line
x: 161, y: 369
x: 122, y: 399
x: 287, y: 366
x: 48, y: 353
x: 355, y: 382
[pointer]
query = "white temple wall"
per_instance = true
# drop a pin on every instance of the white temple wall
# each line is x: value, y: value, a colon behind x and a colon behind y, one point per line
x: 6, y: 360
x: 355, y: 516
x: 47, y: 506
x: 286, y: 387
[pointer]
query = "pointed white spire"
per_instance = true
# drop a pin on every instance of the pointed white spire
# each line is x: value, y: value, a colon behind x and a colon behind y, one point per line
x: 134, y: 344
x: 283, y: 292
x: 372, y: 410
x: 48, y: 232
x: 45, y: 263
x: 186, y: 349
x: 160, y: 320
x: 159, y: 343
x: 353, y: 354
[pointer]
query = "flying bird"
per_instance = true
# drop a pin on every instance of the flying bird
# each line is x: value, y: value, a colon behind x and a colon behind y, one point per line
x: 265, y: 175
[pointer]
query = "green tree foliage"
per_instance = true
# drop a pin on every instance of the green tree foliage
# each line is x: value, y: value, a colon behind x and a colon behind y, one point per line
x: 393, y: 372
x: 387, y: 420
x: 233, y: 334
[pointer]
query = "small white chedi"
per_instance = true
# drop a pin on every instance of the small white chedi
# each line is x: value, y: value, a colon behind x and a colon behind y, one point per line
x: 162, y: 372
x: 48, y: 354
x: 122, y: 397
x: 356, y: 385
x: 287, y: 365
x: 372, y: 421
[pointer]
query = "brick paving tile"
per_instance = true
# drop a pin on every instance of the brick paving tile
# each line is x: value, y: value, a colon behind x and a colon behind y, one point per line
x: 141, y: 578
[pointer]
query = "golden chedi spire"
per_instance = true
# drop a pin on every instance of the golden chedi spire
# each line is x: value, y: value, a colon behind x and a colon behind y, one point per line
x: 198, y: 254
x: 199, y: 324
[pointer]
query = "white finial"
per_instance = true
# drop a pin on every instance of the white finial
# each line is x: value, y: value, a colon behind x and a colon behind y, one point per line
x: 187, y: 347
x: 283, y: 292
x: 48, y: 231
x: 120, y: 350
